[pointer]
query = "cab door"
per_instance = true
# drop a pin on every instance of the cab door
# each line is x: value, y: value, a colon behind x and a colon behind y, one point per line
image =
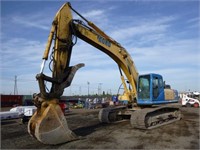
x: 157, y: 88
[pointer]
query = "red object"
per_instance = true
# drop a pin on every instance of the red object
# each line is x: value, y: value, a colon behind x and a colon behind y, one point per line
x: 63, y: 106
x: 11, y: 100
x: 196, y: 105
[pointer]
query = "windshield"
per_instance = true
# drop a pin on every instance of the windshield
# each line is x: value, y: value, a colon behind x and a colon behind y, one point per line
x: 144, y: 87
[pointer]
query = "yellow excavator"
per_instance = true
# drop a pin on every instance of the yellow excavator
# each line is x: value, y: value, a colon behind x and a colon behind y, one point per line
x: 147, y: 92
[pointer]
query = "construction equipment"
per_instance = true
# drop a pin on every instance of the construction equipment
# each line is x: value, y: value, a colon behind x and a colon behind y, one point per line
x: 48, y: 124
x: 189, y: 101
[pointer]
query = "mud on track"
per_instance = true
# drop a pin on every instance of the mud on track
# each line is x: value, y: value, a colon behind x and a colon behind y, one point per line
x: 183, y: 134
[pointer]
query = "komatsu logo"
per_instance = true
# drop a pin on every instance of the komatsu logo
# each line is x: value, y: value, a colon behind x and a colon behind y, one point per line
x: 103, y: 41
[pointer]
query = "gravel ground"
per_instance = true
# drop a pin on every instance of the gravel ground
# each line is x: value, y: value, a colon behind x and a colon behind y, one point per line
x: 183, y: 134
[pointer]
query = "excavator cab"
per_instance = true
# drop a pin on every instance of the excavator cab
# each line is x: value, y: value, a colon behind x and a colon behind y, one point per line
x: 151, y: 91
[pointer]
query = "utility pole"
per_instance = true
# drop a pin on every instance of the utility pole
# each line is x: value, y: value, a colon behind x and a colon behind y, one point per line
x: 15, y: 87
x: 109, y: 91
x: 99, y: 88
x: 88, y: 88
x: 80, y: 90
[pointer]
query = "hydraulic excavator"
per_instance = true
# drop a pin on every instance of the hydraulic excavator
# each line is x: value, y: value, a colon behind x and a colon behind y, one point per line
x: 148, y: 92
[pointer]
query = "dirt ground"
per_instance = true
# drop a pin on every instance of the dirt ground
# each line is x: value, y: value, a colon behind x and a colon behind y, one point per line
x: 183, y: 134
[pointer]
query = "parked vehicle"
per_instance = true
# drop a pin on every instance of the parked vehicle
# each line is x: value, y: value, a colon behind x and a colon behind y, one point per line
x: 23, y: 112
x: 190, y: 102
x: 64, y: 107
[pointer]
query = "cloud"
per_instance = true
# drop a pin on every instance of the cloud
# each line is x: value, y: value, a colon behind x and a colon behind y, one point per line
x: 193, y: 23
x: 30, y: 22
x: 20, y: 55
x: 37, y: 19
x: 179, y: 52
x: 142, y: 28
x: 193, y: 20
x: 93, y: 13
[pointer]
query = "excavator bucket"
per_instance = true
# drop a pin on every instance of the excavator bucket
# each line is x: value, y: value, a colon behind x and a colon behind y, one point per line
x: 49, y: 126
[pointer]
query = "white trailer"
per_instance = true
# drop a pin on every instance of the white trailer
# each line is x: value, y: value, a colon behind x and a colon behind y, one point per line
x: 6, y: 115
x: 23, y: 112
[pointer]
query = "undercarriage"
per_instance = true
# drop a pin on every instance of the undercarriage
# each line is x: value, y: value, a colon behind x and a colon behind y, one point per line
x: 144, y: 118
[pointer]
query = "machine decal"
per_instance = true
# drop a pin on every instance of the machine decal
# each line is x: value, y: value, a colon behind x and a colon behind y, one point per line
x: 103, y: 41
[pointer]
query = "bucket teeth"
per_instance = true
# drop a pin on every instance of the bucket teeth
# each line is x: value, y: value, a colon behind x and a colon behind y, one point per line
x: 49, y: 126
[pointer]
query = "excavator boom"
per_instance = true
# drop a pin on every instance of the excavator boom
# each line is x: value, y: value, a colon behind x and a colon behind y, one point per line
x: 48, y: 125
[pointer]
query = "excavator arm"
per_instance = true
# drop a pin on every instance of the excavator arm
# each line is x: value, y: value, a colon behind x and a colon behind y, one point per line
x: 48, y: 125
x: 112, y: 49
x: 62, y: 73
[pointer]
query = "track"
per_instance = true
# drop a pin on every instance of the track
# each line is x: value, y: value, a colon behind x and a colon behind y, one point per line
x: 150, y: 118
